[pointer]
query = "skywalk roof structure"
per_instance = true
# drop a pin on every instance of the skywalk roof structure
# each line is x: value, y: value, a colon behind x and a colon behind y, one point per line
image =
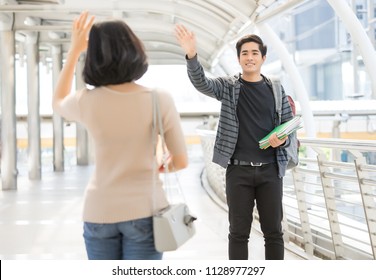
x: 216, y: 23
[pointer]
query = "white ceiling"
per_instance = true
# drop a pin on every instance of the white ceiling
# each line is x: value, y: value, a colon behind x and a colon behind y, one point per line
x: 217, y: 23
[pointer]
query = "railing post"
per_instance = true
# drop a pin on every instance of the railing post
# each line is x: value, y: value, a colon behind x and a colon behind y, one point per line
x: 303, y: 211
x: 329, y: 196
x: 368, y: 201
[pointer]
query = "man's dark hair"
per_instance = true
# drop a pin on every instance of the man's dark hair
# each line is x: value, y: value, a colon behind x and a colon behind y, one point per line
x: 115, y: 55
x: 251, y: 38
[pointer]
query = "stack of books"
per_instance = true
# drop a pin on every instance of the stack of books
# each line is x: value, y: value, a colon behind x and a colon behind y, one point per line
x: 282, y: 131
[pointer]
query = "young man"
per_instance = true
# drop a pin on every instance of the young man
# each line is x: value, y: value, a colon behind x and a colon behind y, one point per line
x: 248, y: 113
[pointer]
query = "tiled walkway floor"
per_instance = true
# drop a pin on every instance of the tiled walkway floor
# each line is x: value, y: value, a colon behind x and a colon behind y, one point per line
x: 42, y: 219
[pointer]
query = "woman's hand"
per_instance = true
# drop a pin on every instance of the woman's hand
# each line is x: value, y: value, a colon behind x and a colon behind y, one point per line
x: 186, y: 40
x: 79, y: 40
x: 80, y: 31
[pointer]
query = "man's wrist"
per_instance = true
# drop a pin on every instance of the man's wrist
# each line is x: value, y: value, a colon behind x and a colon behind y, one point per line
x: 190, y: 55
x: 286, y: 143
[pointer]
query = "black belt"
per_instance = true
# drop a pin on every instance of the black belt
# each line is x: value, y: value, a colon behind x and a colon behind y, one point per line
x: 243, y: 162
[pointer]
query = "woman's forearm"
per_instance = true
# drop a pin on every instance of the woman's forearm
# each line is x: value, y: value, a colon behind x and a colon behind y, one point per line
x: 65, y: 79
x: 80, y: 29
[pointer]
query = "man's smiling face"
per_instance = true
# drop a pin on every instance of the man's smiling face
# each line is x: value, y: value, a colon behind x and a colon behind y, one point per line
x: 251, y: 59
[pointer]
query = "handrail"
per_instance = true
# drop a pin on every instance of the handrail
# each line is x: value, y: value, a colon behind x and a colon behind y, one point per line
x: 338, y: 143
x: 330, y: 203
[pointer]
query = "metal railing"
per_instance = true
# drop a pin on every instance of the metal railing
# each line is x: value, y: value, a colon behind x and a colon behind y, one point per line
x: 329, y: 198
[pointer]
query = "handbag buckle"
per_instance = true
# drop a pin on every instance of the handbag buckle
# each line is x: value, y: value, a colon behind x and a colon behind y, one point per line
x: 189, y: 219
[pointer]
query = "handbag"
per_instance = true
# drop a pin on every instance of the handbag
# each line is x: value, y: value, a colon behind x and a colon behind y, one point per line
x: 173, y: 225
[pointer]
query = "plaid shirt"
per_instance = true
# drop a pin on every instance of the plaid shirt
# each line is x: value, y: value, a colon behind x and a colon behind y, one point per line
x: 226, y: 90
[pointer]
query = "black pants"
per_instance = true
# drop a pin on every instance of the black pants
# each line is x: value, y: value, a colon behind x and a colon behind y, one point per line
x: 246, y: 185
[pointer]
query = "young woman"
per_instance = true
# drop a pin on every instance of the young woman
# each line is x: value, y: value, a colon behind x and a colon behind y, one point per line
x: 117, y: 112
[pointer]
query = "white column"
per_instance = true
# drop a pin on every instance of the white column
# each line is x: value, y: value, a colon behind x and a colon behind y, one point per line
x: 57, y: 120
x: 8, y: 104
x: 33, y: 118
x: 371, y: 21
x: 82, y: 138
x: 359, y: 37
x: 296, y: 79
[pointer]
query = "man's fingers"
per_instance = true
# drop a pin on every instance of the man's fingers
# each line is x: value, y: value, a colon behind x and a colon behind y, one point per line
x: 182, y: 31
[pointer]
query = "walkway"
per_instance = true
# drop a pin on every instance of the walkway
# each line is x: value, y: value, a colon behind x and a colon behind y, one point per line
x: 41, y: 220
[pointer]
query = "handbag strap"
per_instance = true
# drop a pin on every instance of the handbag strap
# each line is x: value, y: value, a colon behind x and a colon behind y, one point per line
x: 154, y: 138
x: 157, y: 118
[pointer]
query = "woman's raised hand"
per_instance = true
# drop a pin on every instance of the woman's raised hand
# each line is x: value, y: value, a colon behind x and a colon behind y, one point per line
x: 80, y: 31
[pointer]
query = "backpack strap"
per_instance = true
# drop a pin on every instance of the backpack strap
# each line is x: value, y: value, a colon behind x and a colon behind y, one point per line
x: 276, y: 86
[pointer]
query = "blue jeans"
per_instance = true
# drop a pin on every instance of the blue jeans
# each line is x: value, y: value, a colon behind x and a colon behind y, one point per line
x: 130, y: 240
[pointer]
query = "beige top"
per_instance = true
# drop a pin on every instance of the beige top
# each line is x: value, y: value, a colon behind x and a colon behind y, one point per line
x: 121, y: 128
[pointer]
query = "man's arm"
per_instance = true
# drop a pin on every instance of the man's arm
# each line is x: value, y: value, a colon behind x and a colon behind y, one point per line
x: 187, y: 40
x: 210, y: 87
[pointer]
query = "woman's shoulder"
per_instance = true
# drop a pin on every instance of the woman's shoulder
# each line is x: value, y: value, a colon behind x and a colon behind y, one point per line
x: 80, y: 92
x: 165, y: 99
x: 162, y: 93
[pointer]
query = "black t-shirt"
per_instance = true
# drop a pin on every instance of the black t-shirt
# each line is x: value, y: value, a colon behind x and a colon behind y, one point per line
x: 256, y: 112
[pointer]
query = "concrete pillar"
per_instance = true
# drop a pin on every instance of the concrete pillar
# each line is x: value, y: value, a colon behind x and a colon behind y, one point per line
x: 82, y: 144
x: 359, y: 37
x: 296, y: 79
x: 371, y: 21
x: 57, y: 120
x: 33, y: 118
x: 8, y: 103
x: 354, y: 59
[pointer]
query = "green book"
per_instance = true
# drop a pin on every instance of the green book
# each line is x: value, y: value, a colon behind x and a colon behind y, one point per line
x: 282, y: 131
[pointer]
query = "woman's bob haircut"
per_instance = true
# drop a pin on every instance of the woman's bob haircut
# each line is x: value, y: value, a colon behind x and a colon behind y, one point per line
x: 115, y: 55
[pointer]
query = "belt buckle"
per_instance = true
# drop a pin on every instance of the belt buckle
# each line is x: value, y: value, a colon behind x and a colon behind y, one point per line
x: 256, y: 163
